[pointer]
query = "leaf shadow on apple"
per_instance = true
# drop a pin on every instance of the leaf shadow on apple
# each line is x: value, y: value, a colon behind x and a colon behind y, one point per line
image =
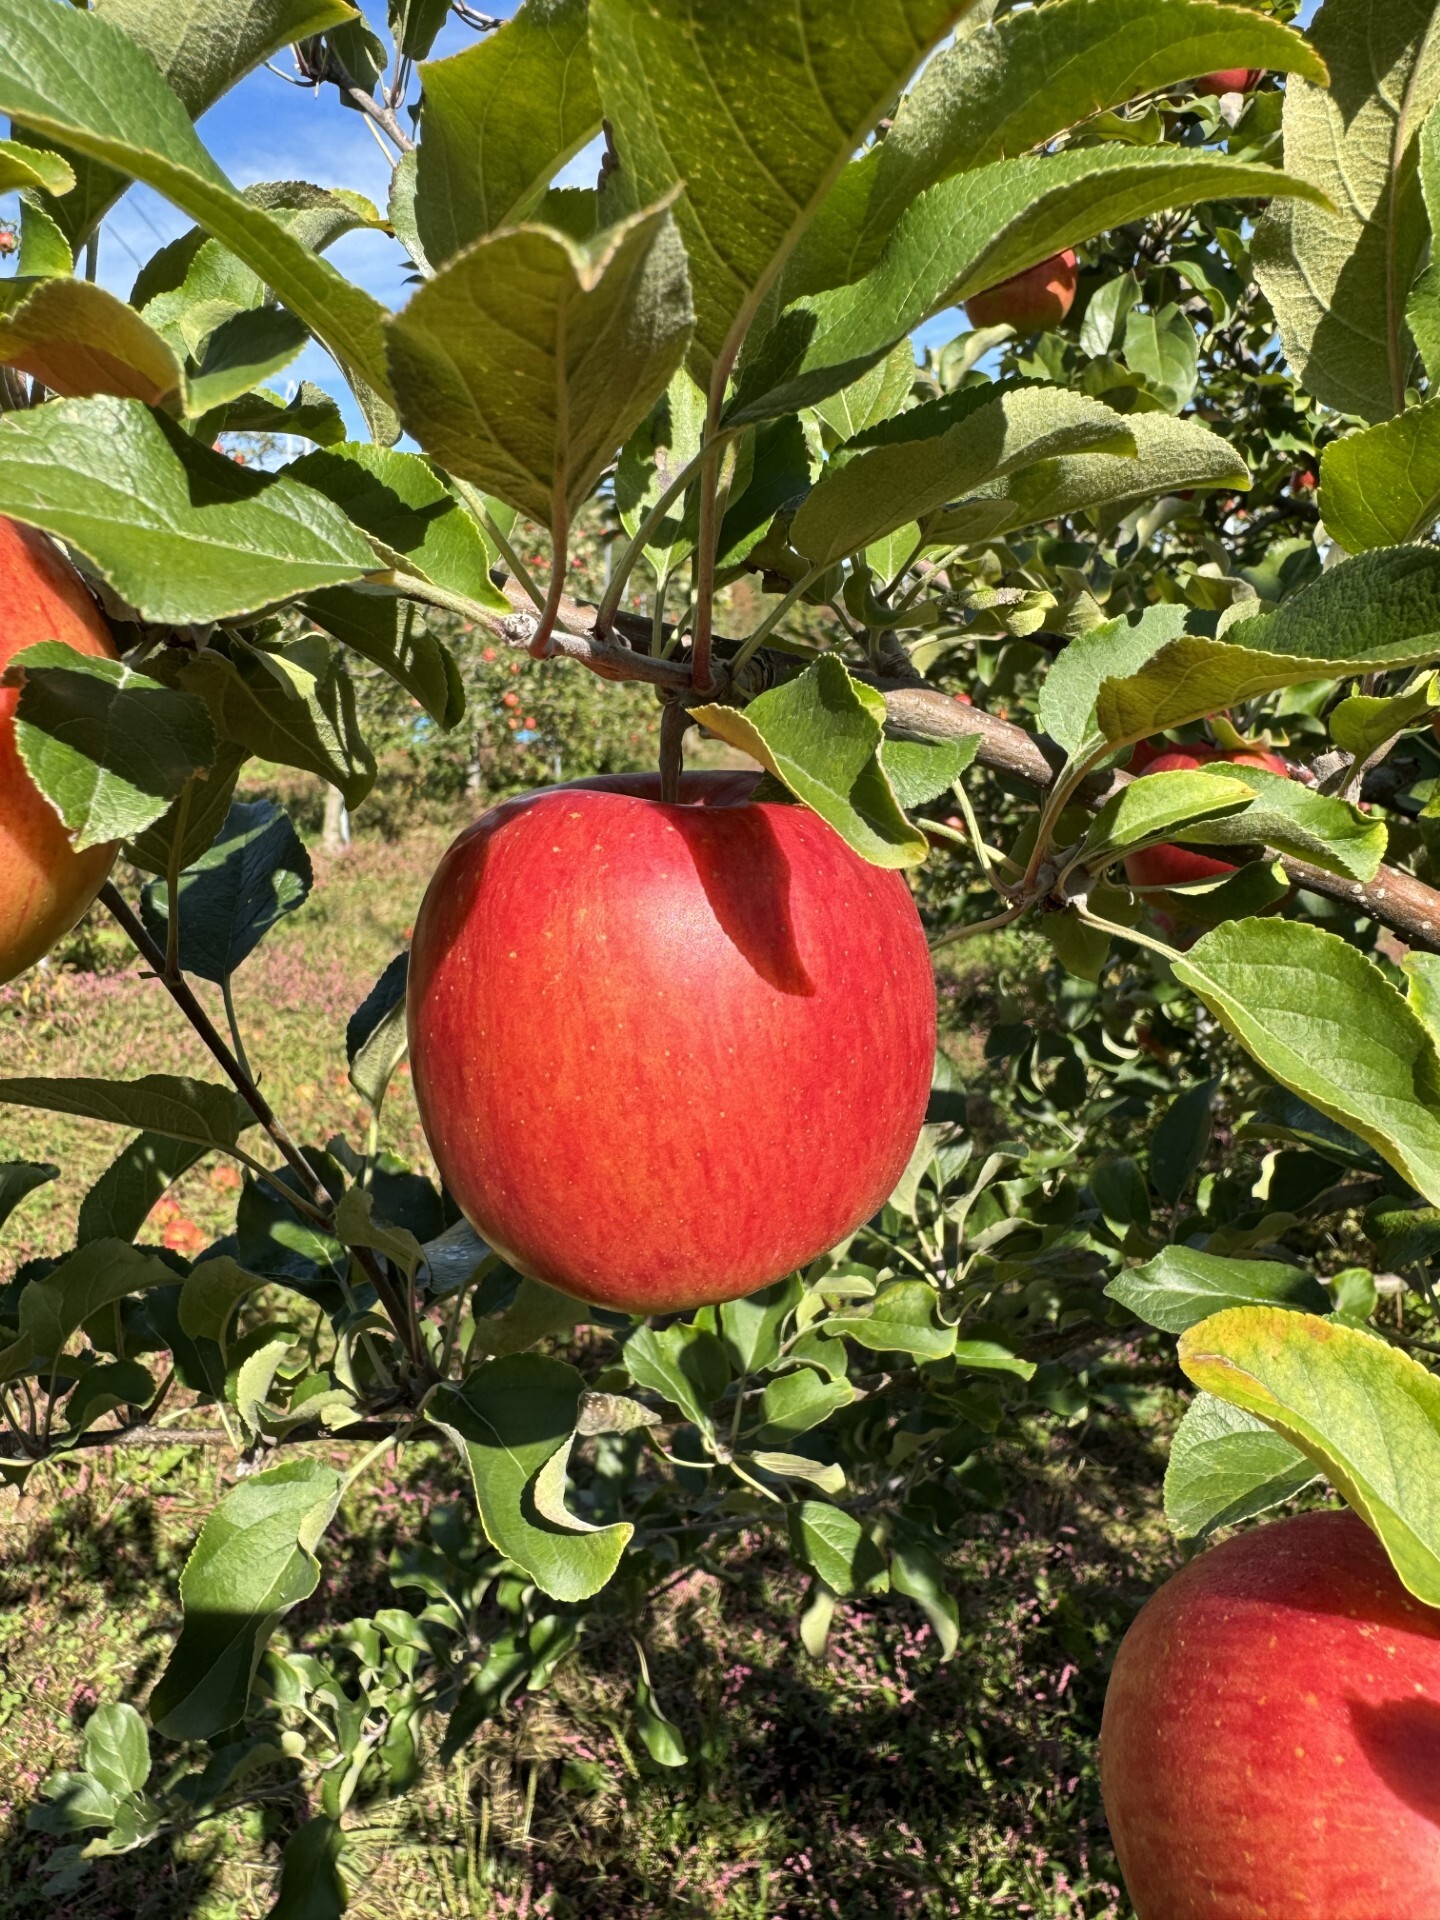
x: 1401, y: 1740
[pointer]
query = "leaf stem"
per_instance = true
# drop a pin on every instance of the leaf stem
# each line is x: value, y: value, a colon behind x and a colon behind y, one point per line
x: 625, y: 566
x: 172, y: 881
x: 752, y: 643
x: 183, y: 995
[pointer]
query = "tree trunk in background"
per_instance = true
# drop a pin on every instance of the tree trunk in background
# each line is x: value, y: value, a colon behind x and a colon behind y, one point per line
x: 335, y: 834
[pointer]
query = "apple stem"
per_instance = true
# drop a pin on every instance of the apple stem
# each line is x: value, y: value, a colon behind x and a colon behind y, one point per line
x: 675, y: 723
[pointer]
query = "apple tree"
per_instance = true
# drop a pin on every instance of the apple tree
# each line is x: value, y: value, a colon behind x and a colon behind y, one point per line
x: 1099, y: 515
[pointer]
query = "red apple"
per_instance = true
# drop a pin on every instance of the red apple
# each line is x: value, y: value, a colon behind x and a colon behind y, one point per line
x: 1270, y: 1748
x: 1171, y: 866
x: 1029, y: 302
x: 45, y: 885
x: 665, y: 1054
x: 1228, y: 80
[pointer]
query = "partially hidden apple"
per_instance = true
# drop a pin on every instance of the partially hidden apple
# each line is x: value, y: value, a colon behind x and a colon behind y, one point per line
x: 1228, y: 80
x: 1270, y: 1747
x: 1029, y: 302
x: 45, y: 885
x: 1171, y: 866
x: 666, y: 1053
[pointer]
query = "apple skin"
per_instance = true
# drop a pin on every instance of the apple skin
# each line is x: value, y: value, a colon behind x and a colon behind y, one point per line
x: 1029, y: 302
x: 1228, y: 80
x: 665, y: 1054
x: 1270, y: 1747
x: 1172, y: 866
x: 45, y: 885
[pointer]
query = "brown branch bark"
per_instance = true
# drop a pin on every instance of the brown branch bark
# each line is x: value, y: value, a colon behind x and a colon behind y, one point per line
x: 1394, y: 899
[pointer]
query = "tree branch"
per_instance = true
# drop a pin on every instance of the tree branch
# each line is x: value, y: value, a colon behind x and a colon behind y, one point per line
x: 1394, y: 898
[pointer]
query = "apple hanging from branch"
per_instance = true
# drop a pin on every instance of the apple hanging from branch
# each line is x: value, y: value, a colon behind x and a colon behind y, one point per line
x: 45, y: 885
x: 1031, y: 301
x: 1271, y: 1737
x: 665, y: 1054
x: 1228, y: 80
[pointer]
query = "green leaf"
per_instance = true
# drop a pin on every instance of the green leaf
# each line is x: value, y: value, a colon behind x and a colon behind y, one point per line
x: 1150, y: 808
x: 242, y: 351
x: 311, y: 1885
x: 1422, y: 971
x: 310, y: 415
x: 1017, y: 82
x: 375, y: 1038
x: 834, y: 1546
x: 970, y: 233
x: 757, y: 111
x: 1287, y: 816
x: 1365, y: 1413
x: 109, y: 748
x: 205, y: 808
x: 119, y: 1203
x: 910, y: 465
x: 662, y: 1738
x: 1111, y: 651
x: 653, y: 458
x: 180, y: 532
x: 1381, y: 487
x: 820, y: 734
x: 921, y: 770
x: 1226, y: 1467
x: 210, y: 1295
x: 685, y: 1364
x: 73, y: 78
x: 1164, y: 349
x: 356, y: 1226
x: 254, y: 1560
x: 1325, y: 1022
x: 751, y: 1326
x: 1183, y: 1286
x: 255, y: 873
x: 1368, y: 615
x: 403, y: 502
x: 104, y: 1389
x: 917, y: 1573
x: 499, y: 121
x: 295, y: 706
x: 23, y: 167
x: 1172, y: 456
x: 44, y: 250
x: 394, y: 635
x: 1338, y: 280
x: 875, y: 397
x: 1179, y: 1143
x: 211, y: 1116
x: 76, y: 339
x: 53, y: 1310
x: 509, y: 1419
x: 795, y: 1402
x: 19, y: 1178
x: 117, y: 1748
x: 903, y: 1318
x: 1365, y: 722
x: 525, y: 363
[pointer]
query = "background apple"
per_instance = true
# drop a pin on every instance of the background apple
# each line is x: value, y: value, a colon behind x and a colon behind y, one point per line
x: 1172, y: 866
x: 1228, y: 80
x: 1029, y: 302
x: 1271, y: 1739
x: 666, y: 1054
x: 45, y: 885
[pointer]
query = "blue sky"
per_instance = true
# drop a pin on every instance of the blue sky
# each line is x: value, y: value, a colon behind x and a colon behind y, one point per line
x: 266, y: 129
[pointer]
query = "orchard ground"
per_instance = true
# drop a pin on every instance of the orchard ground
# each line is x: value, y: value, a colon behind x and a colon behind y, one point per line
x: 877, y: 1783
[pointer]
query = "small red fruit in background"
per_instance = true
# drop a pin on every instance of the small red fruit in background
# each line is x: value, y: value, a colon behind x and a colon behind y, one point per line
x: 1228, y: 80
x: 1029, y: 302
x: 45, y: 885
x: 1171, y: 866
x: 1271, y: 1738
x: 666, y: 1054
x: 964, y: 699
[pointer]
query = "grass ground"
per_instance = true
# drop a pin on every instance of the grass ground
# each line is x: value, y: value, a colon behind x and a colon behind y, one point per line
x: 876, y: 1784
